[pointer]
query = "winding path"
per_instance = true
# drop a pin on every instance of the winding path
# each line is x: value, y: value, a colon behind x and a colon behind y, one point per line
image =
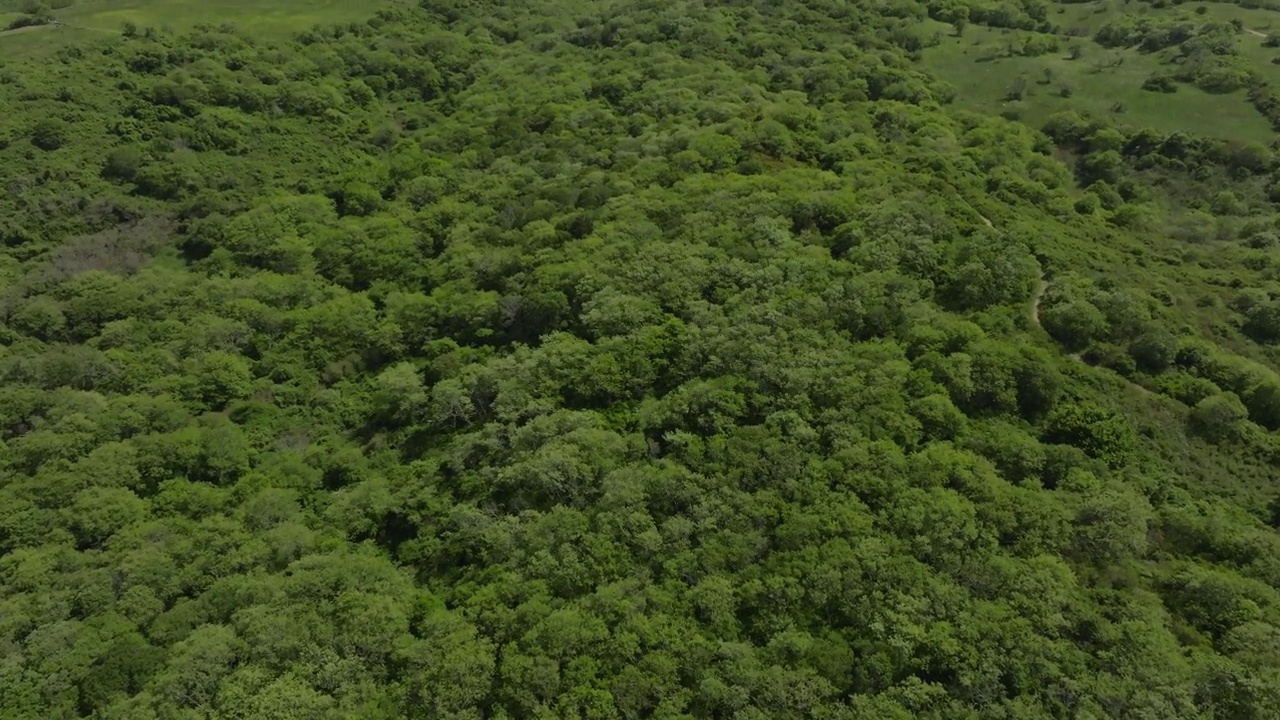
x: 1036, y: 298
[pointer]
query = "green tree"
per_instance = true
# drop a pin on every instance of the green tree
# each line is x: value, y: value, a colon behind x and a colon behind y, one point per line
x: 1075, y: 323
x: 1155, y: 350
x: 1111, y: 527
x: 49, y: 134
x: 219, y: 378
x: 1102, y: 433
x: 1262, y: 322
x: 99, y: 512
x: 197, y: 665
x: 400, y: 393
x: 1264, y: 405
x: 1220, y: 416
x: 359, y: 199
x: 939, y: 417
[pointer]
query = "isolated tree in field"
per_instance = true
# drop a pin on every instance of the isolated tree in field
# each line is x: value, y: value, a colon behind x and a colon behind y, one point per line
x: 1018, y: 91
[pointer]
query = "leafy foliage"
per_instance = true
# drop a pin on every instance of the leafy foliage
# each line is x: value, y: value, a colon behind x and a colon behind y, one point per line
x: 616, y: 361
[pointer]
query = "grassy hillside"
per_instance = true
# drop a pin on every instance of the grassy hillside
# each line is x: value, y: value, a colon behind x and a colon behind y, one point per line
x: 549, y: 359
x: 986, y: 77
x: 80, y: 21
x: 1061, y: 65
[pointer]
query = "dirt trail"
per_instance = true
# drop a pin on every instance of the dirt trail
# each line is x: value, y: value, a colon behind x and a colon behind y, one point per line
x: 1255, y: 33
x: 1036, y: 298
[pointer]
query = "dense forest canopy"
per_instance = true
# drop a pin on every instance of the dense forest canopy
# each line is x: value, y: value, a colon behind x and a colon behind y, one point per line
x: 614, y: 360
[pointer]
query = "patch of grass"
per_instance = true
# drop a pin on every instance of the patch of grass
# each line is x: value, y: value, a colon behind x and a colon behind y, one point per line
x: 87, y: 19
x: 1257, y: 24
x: 1102, y: 81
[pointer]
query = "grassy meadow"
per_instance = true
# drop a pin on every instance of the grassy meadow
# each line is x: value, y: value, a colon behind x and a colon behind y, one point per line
x: 1106, y: 82
x: 83, y: 20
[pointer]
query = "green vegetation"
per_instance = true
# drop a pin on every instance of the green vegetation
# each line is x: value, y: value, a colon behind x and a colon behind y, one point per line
x: 634, y: 360
x: 39, y: 28
x: 1175, y: 67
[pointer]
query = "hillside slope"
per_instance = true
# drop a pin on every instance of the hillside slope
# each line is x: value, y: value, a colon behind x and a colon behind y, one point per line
x: 621, y: 360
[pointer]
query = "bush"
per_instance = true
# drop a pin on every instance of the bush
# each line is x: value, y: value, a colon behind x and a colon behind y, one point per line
x: 1087, y: 205
x: 1223, y: 80
x: 122, y: 164
x: 35, y: 14
x: 1185, y: 388
x: 49, y: 134
x: 1132, y: 217
x: 358, y: 198
x: 1099, y: 432
x: 1218, y: 417
x: 1262, y: 322
x: 1226, y: 203
x: 1104, y: 166
x: 1075, y: 324
x: 1264, y: 405
x: 1155, y: 350
x: 1161, y: 84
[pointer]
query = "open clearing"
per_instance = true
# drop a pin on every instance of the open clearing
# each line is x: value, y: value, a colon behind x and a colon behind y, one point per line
x: 87, y: 19
x: 1106, y: 82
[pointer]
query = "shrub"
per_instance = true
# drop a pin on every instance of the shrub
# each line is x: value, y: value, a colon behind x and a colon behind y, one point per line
x: 1160, y: 83
x: 1218, y: 417
x: 1087, y: 205
x: 359, y: 199
x: 49, y: 134
x: 1099, y: 432
x: 1264, y: 405
x: 1075, y: 324
x: 122, y: 164
x: 1185, y: 388
x: 1155, y: 350
x: 1262, y: 322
